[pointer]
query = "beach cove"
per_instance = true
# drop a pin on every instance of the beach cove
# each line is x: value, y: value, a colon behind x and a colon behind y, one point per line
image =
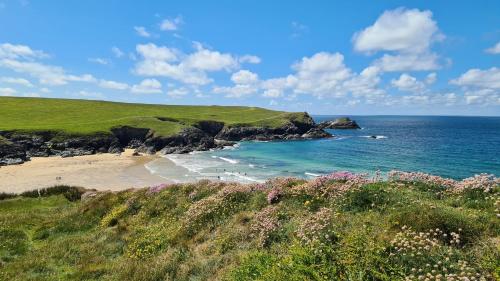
x: 100, y: 171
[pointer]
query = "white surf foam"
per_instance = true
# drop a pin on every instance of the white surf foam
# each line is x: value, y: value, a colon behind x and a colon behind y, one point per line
x: 242, y: 177
x: 374, y: 137
x: 232, y: 161
x: 311, y: 174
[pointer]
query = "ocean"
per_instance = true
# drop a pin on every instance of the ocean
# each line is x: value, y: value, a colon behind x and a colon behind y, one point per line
x: 454, y: 147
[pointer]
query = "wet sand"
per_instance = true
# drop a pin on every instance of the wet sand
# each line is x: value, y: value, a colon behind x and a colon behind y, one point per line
x: 99, y: 171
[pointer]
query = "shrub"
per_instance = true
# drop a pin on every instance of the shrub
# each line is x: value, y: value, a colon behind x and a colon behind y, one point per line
x: 422, y: 218
x: 4, y: 195
x: 213, y: 209
x: 265, y: 224
x: 318, y: 230
x: 367, y: 197
x: 70, y: 192
x: 432, y: 254
x: 112, y: 217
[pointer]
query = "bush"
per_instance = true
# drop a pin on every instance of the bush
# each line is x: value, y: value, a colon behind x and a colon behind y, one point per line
x: 70, y: 192
x: 371, y: 196
x: 4, y: 195
x: 422, y: 218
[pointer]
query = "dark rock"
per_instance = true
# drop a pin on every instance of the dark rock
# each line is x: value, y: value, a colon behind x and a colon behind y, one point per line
x: 134, y: 143
x: 136, y: 153
x: 223, y: 143
x: 304, y: 128
x: 211, y: 128
x: 129, y: 136
x: 316, y: 133
x: 11, y: 153
x: 339, y: 123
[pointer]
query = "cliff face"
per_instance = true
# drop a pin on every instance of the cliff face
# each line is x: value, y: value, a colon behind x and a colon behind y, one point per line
x: 339, y: 123
x: 18, y: 147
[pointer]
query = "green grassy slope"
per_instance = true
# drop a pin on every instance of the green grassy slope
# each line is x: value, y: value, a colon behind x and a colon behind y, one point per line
x: 87, y: 117
x: 287, y: 229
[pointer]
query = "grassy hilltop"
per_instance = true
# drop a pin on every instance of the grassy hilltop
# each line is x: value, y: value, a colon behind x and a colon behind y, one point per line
x: 90, y: 117
x: 338, y: 227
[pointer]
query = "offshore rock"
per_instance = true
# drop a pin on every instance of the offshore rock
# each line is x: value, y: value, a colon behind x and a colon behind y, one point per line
x: 339, y: 123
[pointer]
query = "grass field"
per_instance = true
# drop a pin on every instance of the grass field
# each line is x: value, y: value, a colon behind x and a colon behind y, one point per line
x: 88, y: 117
x: 340, y: 227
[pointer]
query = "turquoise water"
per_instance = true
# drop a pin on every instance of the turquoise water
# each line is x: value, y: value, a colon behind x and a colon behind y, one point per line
x: 455, y: 147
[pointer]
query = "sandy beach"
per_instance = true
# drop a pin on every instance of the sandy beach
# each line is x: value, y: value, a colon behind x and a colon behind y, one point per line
x: 99, y: 171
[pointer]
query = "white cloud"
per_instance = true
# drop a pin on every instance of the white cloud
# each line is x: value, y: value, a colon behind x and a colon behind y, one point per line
x: 408, y: 62
x: 366, y: 85
x: 402, y: 30
x: 117, y: 52
x: 408, y: 83
x: 325, y: 75
x: 18, y: 81
x: 178, y: 92
x: 431, y: 78
x: 11, y: 51
x: 90, y: 95
x: 272, y: 93
x: 7, y: 91
x: 408, y: 34
x: 249, y: 59
x: 246, y: 83
x: 99, y: 61
x: 152, y: 52
x: 190, y: 69
x: 244, y: 77
x: 494, y: 50
x: 141, y: 31
x: 482, y: 87
x: 208, y: 60
x: 483, y: 97
x: 489, y: 78
x: 109, y: 84
x: 46, y: 74
x: 171, y: 24
x: 237, y: 91
x: 321, y: 75
x: 147, y: 86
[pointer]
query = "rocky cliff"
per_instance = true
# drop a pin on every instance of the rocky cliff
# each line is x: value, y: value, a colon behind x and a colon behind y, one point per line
x: 17, y: 147
x: 339, y: 123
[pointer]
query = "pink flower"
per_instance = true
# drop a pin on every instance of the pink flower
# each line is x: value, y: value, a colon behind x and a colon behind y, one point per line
x: 157, y: 188
x: 274, y: 196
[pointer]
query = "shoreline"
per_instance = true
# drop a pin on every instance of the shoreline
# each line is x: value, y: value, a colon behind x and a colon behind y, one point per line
x: 104, y: 171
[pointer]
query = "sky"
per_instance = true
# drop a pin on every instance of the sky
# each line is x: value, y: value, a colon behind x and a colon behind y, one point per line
x: 323, y: 57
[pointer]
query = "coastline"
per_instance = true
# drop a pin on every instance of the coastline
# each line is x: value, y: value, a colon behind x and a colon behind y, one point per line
x: 104, y: 171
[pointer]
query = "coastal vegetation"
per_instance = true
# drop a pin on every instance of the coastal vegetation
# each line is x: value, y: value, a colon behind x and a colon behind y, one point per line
x: 91, y: 117
x: 342, y: 226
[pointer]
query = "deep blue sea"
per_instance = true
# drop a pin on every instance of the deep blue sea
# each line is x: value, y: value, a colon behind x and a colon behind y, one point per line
x: 455, y: 147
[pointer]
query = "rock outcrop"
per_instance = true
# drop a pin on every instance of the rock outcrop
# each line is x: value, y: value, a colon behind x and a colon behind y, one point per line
x: 339, y: 123
x: 17, y: 147
x: 11, y: 153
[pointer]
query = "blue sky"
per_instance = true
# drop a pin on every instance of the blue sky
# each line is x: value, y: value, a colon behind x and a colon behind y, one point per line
x: 324, y: 57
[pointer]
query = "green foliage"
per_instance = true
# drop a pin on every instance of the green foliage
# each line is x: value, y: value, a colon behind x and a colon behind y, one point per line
x: 228, y: 231
x: 70, y: 192
x: 13, y: 243
x: 83, y: 117
x: 371, y: 196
